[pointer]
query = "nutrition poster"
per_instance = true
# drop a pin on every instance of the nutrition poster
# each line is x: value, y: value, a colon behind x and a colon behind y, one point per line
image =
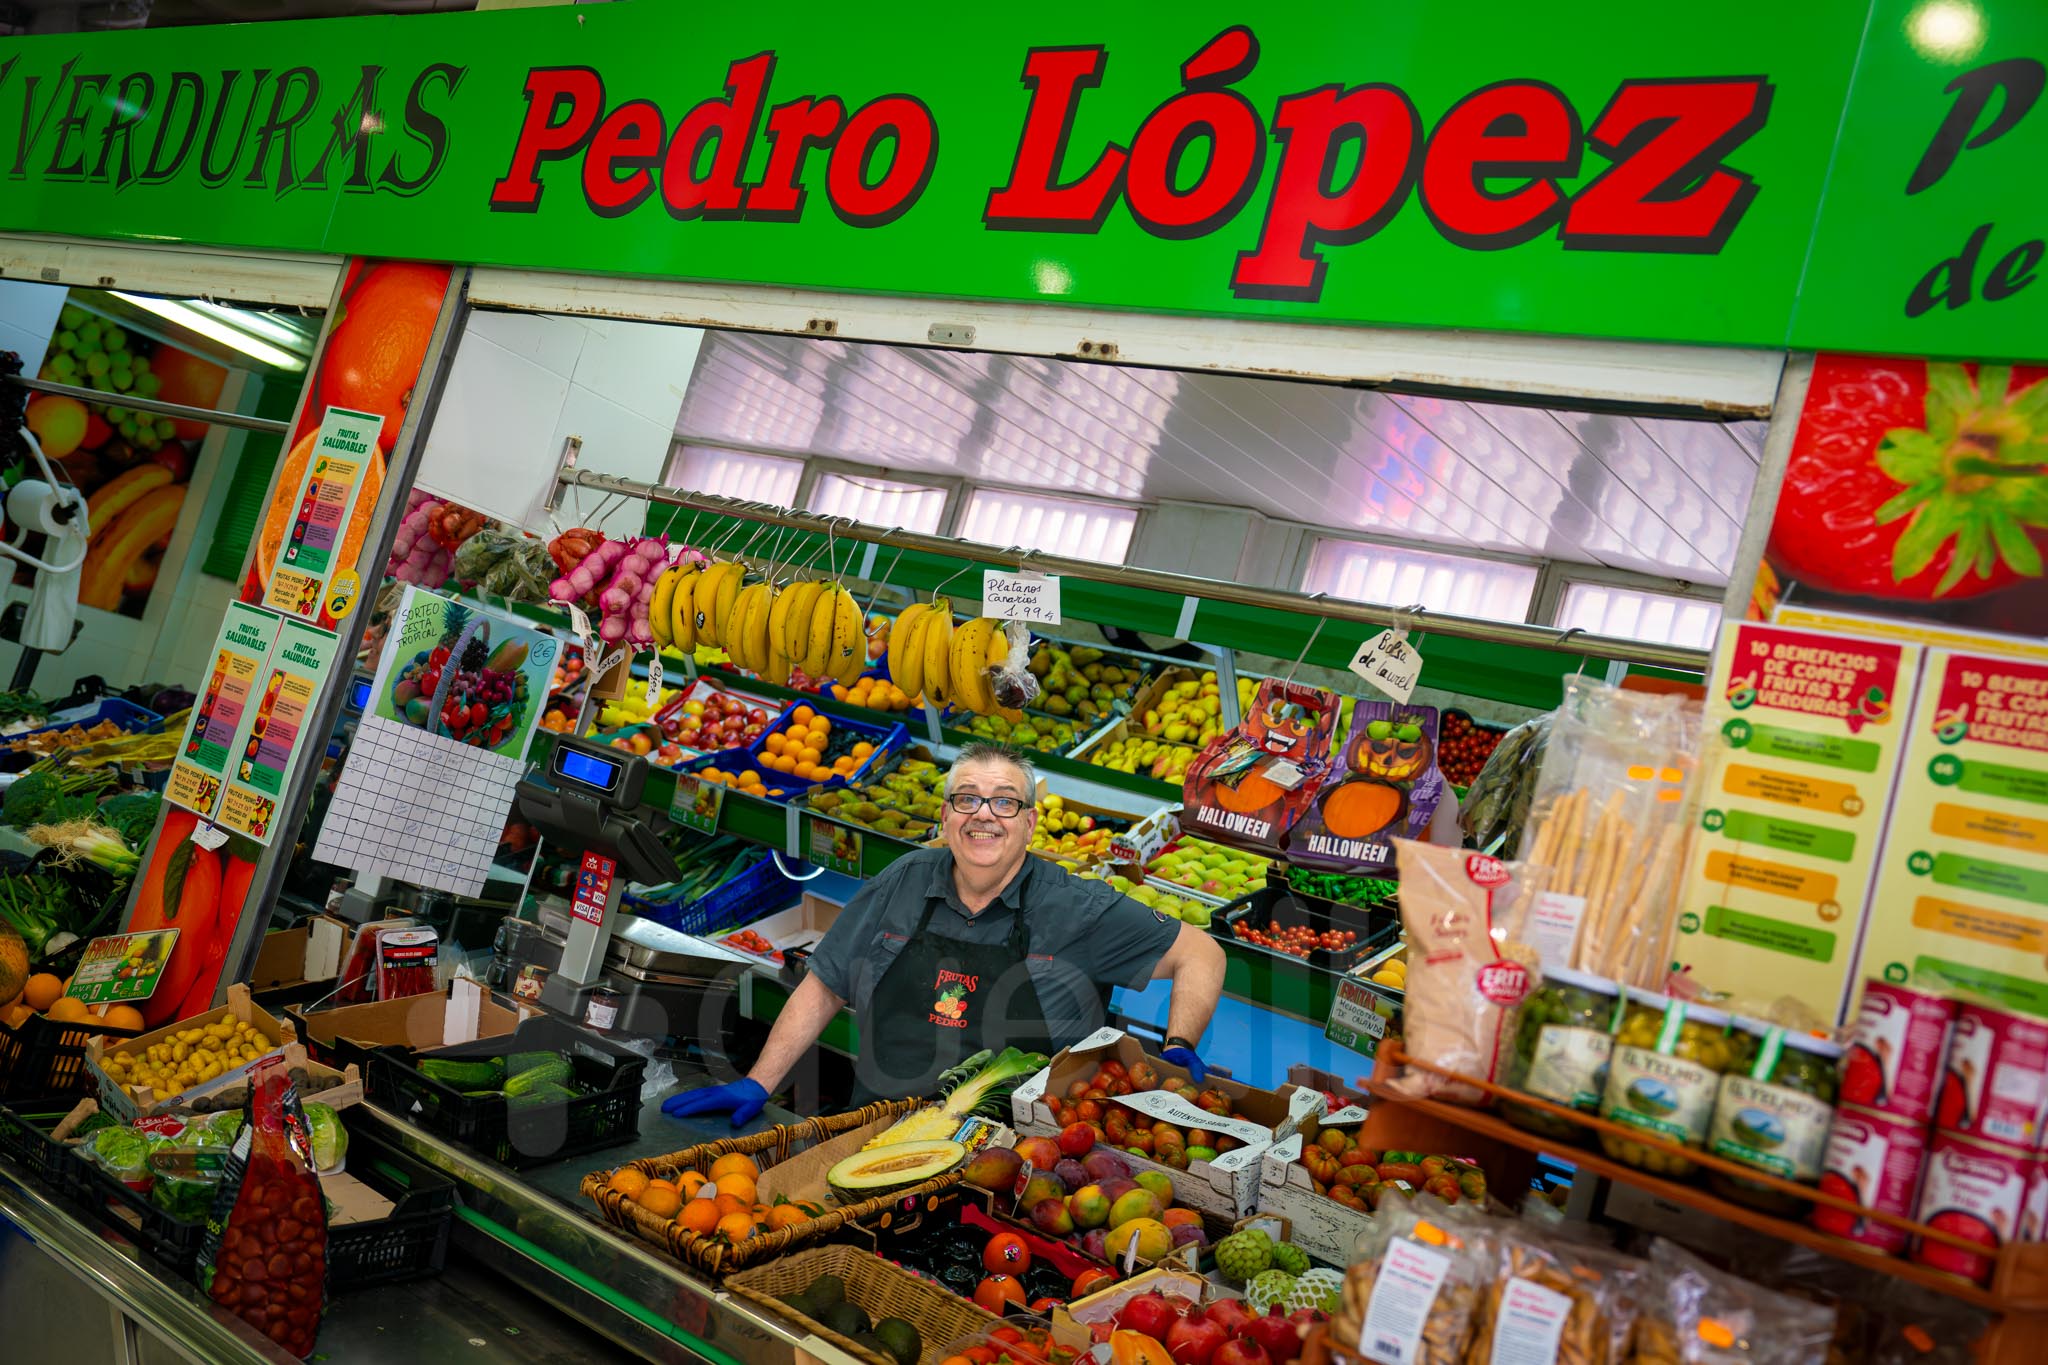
x: 1802, y: 743
x: 1962, y: 902
x: 326, y: 500
x: 275, y: 740
x: 206, y: 755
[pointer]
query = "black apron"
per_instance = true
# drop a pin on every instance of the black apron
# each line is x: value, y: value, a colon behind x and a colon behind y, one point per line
x: 941, y: 1001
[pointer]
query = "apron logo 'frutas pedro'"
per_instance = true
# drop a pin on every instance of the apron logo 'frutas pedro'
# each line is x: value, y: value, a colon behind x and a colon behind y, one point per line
x: 1667, y: 185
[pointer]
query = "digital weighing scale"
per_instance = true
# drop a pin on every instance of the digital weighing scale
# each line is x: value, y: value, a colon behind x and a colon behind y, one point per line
x: 591, y: 802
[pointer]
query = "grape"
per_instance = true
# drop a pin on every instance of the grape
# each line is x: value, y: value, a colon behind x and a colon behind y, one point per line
x: 148, y: 440
x: 116, y: 415
x: 73, y: 316
x: 129, y: 427
x: 116, y: 339
x: 141, y: 366
x: 65, y: 340
x: 123, y: 380
x: 89, y: 333
x: 148, y: 385
x: 64, y: 367
x: 96, y: 365
x: 165, y: 428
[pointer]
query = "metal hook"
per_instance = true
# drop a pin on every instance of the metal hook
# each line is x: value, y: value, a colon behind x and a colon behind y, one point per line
x: 964, y: 568
x: 1320, y: 622
x: 1564, y: 639
x: 1408, y: 620
x: 875, y: 596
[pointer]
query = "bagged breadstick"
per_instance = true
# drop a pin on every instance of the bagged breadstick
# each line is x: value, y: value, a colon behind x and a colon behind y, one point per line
x: 1611, y: 822
x: 1556, y: 1302
x: 1468, y: 968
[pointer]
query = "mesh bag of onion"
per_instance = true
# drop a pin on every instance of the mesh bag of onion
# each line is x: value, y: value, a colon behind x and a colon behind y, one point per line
x: 264, y: 1255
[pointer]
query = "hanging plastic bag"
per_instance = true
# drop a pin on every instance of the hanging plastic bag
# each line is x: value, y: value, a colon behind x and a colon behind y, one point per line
x: 264, y: 1256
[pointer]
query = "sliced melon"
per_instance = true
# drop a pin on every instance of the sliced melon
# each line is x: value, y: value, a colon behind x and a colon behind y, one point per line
x: 882, y: 1170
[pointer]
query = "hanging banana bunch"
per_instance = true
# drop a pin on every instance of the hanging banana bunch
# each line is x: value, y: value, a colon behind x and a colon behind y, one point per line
x: 950, y: 665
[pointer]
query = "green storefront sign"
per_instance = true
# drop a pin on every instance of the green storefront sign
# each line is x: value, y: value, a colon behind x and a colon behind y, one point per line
x: 1689, y: 176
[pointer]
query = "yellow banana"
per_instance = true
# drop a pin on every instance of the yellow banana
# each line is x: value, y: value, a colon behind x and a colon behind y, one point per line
x: 757, y: 628
x: 849, y: 638
x: 778, y: 617
x: 796, y: 625
x: 714, y: 577
x: 659, y: 622
x: 970, y: 658
x: 937, y: 640
x: 732, y: 623
x: 718, y: 622
x: 817, y: 660
x: 739, y: 635
x: 999, y: 645
x: 906, y: 660
x: 683, y: 610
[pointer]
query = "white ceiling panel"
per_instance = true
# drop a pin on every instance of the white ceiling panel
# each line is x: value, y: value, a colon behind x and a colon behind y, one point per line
x: 1656, y: 495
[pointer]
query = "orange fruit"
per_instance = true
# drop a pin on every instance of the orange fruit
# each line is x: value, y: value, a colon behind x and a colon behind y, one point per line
x: 730, y: 1203
x: 16, y: 1014
x: 699, y: 1215
x: 628, y: 1182
x: 189, y: 379
x: 124, y: 1016
x: 689, y: 1182
x: 811, y: 756
x: 735, y: 1163
x: 785, y: 1216
x: 801, y: 715
x: 863, y: 749
x: 372, y: 358
x: 42, y: 991
x: 69, y: 1009
x: 660, y: 1199
x: 738, y: 1184
x: 736, y: 1227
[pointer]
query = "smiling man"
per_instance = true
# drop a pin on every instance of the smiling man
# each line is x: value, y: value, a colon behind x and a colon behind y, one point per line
x: 977, y: 945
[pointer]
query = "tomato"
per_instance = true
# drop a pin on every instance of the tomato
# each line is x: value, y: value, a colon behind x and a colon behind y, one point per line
x: 999, y: 1293
x: 1912, y: 480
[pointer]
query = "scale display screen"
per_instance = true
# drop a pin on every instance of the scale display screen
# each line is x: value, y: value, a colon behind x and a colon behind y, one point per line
x: 359, y: 694
x: 587, y: 768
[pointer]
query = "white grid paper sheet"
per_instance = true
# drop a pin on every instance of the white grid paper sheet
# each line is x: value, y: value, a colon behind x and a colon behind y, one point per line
x: 419, y: 808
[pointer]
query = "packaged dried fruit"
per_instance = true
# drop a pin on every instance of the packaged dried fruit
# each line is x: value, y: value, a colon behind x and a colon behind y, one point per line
x: 1412, y: 1297
x: 1697, y: 1315
x: 265, y: 1253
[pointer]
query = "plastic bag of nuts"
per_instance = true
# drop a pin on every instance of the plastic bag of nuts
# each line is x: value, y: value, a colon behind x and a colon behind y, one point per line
x: 1411, y: 1297
x: 264, y: 1256
x: 1558, y: 1301
x: 1697, y: 1315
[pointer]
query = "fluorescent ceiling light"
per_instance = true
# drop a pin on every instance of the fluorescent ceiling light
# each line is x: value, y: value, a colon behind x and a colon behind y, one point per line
x: 297, y: 340
x: 213, y: 328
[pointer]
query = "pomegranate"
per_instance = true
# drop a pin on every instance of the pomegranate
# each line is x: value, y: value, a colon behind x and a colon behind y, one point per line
x: 1277, y: 1334
x: 1241, y: 1351
x: 1195, y: 1338
x: 1149, y: 1315
x: 1231, y: 1315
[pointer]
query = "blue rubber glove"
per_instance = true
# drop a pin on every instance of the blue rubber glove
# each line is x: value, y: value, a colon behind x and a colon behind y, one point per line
x: 1186, y: 1060
x: 744, y: 1098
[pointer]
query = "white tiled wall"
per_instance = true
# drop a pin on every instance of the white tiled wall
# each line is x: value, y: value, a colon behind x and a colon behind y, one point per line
x: 522, y: 383
x: 28, y: 316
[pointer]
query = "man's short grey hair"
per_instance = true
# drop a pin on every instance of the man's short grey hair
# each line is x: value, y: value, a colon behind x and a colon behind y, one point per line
x: 979, y: 752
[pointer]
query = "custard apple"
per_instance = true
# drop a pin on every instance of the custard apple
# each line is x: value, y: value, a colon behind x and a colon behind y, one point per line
x: 1290, y: 1258
x: 1268, y: 1288
x: 1242, y: 1255
x: 1318, y: 1288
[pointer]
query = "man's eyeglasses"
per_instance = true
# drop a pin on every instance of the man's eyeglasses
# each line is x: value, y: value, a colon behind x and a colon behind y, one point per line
x: 967, y: 803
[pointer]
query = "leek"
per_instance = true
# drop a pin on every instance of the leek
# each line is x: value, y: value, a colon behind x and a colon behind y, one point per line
x: 84, y: 841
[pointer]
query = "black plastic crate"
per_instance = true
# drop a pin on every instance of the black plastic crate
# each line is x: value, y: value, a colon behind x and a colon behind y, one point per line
x: 411, y: 1240
x: 25, y: 1139
x: 1271, y: 904
x: 40, y: 1058
x: 605, y: 1116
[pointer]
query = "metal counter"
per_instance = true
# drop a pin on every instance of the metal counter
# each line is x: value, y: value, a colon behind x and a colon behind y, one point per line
x: 534, y: 1275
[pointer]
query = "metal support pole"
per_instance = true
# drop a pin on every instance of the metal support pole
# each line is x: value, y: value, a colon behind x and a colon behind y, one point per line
x: 137, y: 403
x: 1215, y: 590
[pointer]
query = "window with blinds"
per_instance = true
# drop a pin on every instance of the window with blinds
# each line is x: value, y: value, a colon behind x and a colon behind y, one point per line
x: 1396, y: 576
x: 770, y: 479
x: 880, y: 502
x: 1055, y: 526
x: 1633, y: 614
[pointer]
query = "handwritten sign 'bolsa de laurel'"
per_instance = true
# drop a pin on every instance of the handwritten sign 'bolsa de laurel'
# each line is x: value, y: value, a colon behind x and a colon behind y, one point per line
x: 1021, y: 597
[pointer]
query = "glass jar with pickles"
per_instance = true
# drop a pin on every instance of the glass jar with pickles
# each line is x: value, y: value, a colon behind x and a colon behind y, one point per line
x: 1774, y: 1113
x: 1564, y: 1038
x: 1664, y: 1078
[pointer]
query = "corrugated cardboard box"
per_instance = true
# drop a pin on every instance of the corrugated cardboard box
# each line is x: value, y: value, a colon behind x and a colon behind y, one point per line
x: 240, y: 1007
x: 1227, y: 1186
x: 418, y: 1022
x: 1318, y: 1224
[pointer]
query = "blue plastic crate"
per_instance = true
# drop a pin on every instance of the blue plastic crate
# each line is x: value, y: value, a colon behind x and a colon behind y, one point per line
x: 887, y: 739
x: 136, y: 720
x: 761, y: 890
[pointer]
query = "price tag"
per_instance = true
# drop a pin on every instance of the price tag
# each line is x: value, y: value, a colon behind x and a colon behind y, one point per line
x: 1554, y: 927
x: 1020, y: 597
x: 1283, y: 775
x: 580, y: 623
x: 834, y: 846
x: 653, y: 694
x: 123, y: 966
x: 209, y: 837
x: 1390, y: 663
x: 696, y: 803
x: 1358, y: 1018
x: 1410, y: 1276
x: 611, y: 661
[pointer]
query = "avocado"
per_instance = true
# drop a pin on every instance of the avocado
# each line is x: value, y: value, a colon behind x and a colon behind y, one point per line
x: 846, y: 1319
x: 869, y: 1341
x: 802, y: 1304
x: 900, y: 1339
x: 826, y: 1293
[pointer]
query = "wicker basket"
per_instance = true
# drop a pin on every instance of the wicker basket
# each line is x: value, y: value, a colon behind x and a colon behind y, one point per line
x: 713, y: 1254
x: 879, y: 1289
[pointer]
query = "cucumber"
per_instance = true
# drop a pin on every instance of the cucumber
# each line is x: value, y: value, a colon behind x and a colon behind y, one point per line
x: 463, y: 1075
x: 552, y: 1069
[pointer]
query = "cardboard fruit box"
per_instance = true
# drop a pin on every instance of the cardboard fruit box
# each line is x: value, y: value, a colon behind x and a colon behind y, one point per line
x: 1226, y: 1186
x: 1318, y: 1224
x: 1073, y: 1324
x: 414, y: 1022
x: 240, y: 1007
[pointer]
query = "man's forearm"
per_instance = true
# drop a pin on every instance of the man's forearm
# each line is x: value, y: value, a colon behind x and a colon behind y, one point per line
x: 811, y: 1007
x: 1197, y: 986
